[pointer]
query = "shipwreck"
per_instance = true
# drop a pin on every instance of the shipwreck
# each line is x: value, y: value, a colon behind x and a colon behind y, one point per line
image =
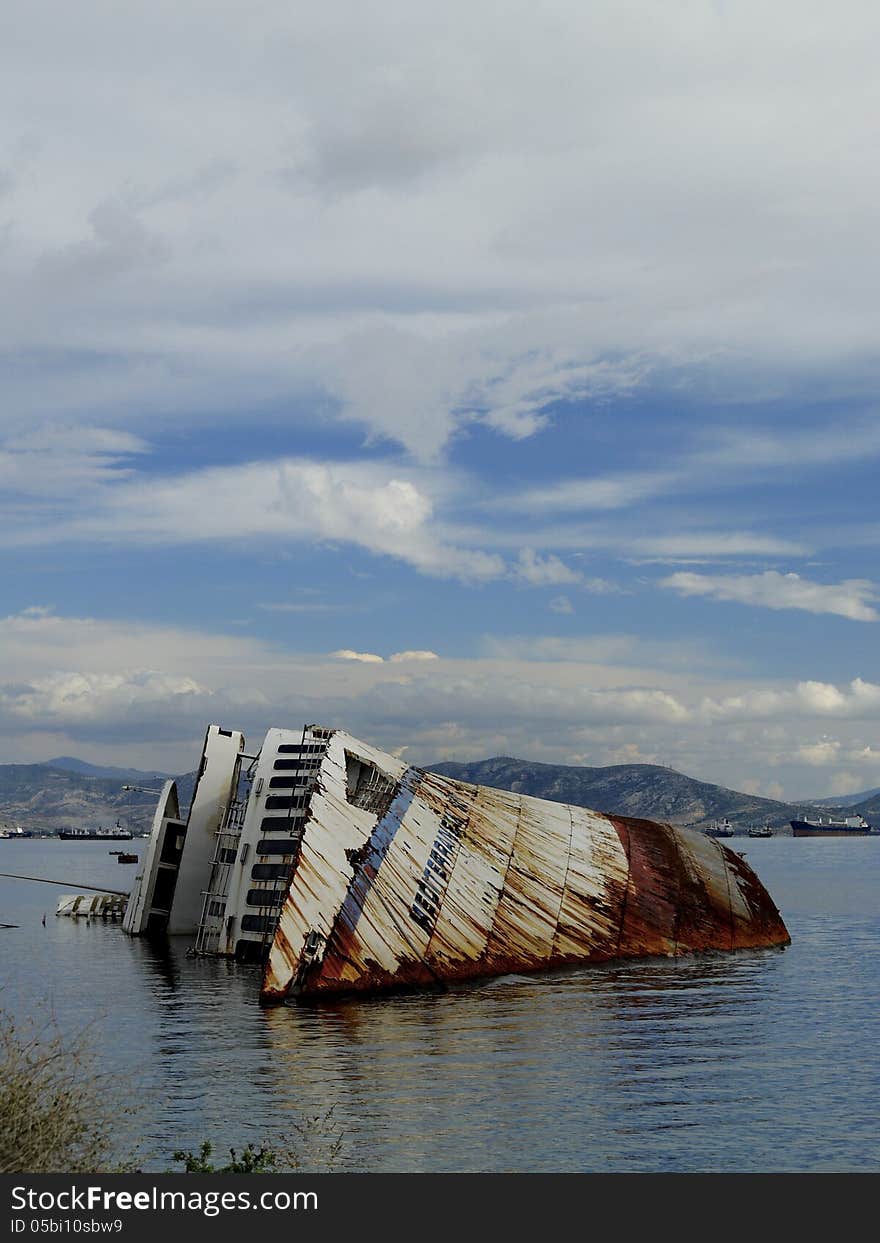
x: 342, y: 869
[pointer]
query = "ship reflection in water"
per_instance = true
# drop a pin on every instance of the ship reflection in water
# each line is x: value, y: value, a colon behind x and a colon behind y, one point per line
x: 581, y: 1069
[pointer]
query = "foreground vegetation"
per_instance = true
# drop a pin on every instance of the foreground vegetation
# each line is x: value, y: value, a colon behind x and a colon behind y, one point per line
x: 59, y: 1115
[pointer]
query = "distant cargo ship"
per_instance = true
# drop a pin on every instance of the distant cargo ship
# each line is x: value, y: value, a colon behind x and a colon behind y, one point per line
x: 850, y: 826
x: 760, y: 830
x: 720, y: 829
x: 119, y: 834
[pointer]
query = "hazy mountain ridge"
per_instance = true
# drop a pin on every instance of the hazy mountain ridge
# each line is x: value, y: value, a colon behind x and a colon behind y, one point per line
x: 42, y: 798
x: 138, y: 776
x: 45, y: 797
x: 865, y: 797
x: 645, y: 790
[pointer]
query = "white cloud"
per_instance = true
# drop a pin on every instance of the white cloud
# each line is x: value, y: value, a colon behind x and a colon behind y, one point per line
x: 436, y: 230
x: 365, y: 658
x: 52, y: 462
x: 414, y: 656
x: 810, y: 699
x: 853, y: 598
x: 711, y: 545
x: 732, y: 457
x: 143, y: 694
x: 820, y: 754
x: 611, y: 492
x: 371, y: 506
x: 540, y: 571
x: 560, y: 604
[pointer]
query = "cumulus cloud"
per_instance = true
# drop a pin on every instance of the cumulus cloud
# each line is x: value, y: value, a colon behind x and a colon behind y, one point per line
x: 820, y: 754
x: 853, y: 598
x: 143, y: 694
x: 560, y: 604
x: 860, y: 701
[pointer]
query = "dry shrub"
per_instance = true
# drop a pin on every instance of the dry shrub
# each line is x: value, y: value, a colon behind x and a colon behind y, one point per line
x: 57, y: 1115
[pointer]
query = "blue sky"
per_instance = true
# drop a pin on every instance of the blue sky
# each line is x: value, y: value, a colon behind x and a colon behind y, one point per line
x: 482, y: 382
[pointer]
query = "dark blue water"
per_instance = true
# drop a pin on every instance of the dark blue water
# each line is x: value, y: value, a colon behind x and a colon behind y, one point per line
x: 759, y: 1061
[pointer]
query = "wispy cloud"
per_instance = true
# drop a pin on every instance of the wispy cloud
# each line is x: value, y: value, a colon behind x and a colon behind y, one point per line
x: 547, y: 571
x: 374, y: 506
x: 854, y: 598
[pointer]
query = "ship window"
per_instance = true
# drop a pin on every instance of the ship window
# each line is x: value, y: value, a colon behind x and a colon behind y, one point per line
x: 257, y: 923
x: 281, y: 824
x: 289, y: 782
x: 277, y: 846
x: 265, y: 897
x: 270, y: 871
x: 283, y: 802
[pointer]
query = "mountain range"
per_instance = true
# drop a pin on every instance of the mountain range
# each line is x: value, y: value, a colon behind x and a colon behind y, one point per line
x: 646, y: 790
x: 45, y: 798
x: 71, y: 793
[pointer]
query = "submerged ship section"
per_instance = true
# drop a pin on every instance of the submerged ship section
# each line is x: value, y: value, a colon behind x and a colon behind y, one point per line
x: 342, y: 869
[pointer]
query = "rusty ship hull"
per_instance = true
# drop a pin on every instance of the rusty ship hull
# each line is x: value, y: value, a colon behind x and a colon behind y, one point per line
x: 344, y: 870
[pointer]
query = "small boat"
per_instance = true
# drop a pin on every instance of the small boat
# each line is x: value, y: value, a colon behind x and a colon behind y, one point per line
x: 122, y: 857
x: 760, y: 830
x: 849, y: 826
x: 722, y: 829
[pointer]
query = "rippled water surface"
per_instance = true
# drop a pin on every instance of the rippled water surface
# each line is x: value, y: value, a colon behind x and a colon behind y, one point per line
x: 752, y: 1061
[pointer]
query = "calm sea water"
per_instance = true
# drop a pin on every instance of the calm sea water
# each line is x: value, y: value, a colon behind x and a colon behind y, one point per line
x: 756, y: 1061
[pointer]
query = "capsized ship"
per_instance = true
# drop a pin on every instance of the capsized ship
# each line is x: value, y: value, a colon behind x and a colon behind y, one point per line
x: 341, y: 869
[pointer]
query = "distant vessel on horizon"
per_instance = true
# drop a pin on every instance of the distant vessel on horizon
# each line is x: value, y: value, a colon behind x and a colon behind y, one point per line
x: 849, y: 826
x: 118, y: 834
x: 14, y: 834
x: 722, y: 829
x: 762, y: 830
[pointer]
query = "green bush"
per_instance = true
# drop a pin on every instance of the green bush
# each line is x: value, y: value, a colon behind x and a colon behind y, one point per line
x: 317, y: 1149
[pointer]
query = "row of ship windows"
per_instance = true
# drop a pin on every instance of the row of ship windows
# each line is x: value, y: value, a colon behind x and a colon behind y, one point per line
x: 262, y: 898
